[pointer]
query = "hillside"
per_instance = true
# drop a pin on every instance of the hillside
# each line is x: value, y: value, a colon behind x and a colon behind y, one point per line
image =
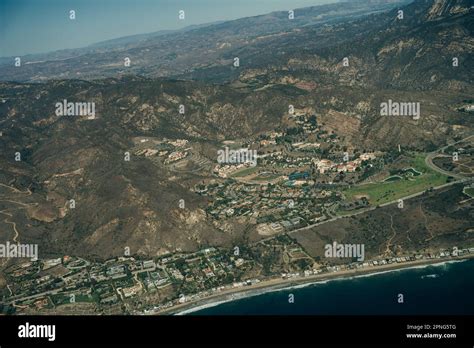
x: 135, y: 203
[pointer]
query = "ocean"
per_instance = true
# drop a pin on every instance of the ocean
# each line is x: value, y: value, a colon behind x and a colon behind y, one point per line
x: 441, y: 289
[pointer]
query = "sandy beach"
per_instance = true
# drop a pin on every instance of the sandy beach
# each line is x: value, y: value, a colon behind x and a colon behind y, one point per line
x: 280, y: 283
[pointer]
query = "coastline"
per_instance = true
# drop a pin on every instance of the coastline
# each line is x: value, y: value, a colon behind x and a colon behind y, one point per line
x: 279, y: 284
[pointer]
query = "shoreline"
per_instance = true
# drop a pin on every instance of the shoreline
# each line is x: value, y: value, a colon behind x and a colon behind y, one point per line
x: 278, y: 284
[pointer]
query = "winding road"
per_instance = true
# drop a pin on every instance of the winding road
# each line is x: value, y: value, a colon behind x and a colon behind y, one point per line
x: 429, y: 163
x: 432, y: 155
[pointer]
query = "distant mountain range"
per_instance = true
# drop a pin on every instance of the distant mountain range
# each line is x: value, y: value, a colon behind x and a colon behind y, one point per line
x: 282, y: 62
x: 170, y: 53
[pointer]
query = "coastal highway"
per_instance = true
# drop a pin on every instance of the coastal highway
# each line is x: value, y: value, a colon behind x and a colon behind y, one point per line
x: 428, y: 161
x: 279, y: 283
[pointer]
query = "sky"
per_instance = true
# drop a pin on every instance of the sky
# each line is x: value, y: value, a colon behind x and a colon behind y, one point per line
x: 38, y: 26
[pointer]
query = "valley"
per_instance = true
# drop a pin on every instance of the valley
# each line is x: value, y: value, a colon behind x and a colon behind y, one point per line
x: 183, y: 175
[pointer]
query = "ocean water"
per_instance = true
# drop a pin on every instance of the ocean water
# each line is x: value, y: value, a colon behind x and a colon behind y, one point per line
x: 442, y: 289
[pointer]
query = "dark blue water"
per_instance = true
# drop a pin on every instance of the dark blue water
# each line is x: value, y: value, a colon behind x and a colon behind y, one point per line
x: 443, y: 289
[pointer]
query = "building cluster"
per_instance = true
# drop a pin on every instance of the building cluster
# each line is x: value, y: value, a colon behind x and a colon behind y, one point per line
x: 226, y: 170
x: 115, y: 283
x: 169, y: 150
x: 282, y: 207
x: 175, y: 156
x: 326, y: 165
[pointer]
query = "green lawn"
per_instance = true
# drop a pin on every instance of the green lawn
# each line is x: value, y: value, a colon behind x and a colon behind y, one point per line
x: 244, y: 172
x: 469, y: 191
x: 267, y: 178
x: 393, y: 178
x: 383, y: 192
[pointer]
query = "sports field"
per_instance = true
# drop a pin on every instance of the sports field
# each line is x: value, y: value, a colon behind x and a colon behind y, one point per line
x: 386, y: 191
